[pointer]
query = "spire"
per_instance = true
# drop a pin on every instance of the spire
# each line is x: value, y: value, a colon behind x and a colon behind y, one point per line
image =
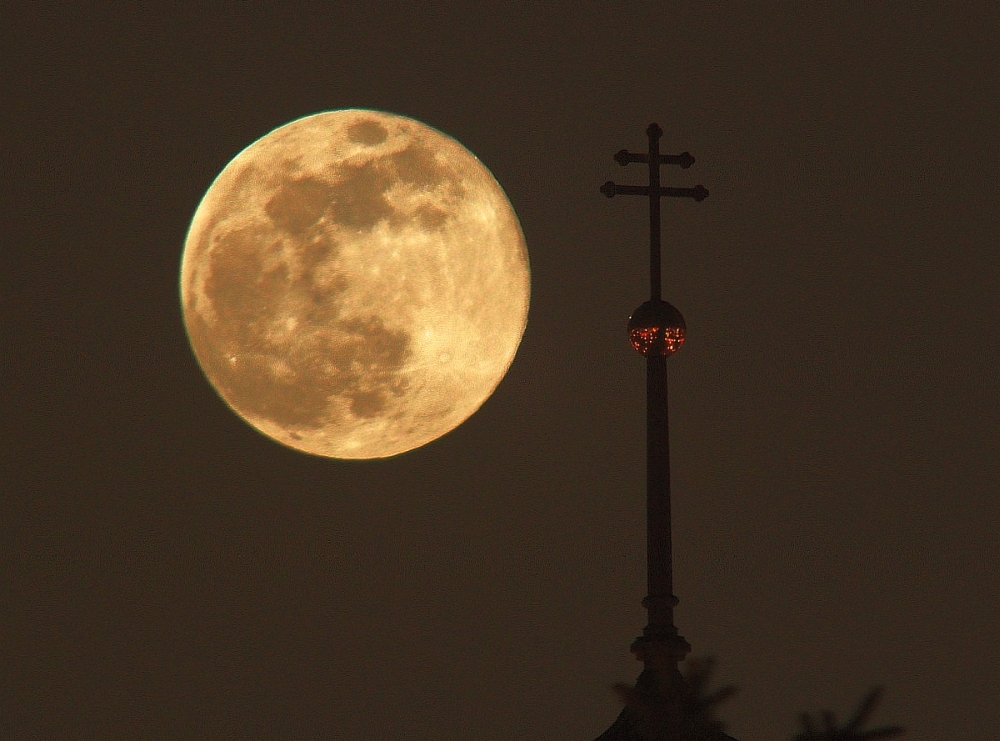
x: 657, y: 330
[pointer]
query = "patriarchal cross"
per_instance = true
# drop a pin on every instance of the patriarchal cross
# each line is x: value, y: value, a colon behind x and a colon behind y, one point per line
x: 656, y: 330
x: 654, y: 191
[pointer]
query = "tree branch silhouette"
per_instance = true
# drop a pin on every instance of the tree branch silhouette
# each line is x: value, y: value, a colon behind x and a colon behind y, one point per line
x: 851, y: 731
x: 687, y: 710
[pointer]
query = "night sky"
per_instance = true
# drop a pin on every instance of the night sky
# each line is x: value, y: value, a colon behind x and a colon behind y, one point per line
x: 169, y: 572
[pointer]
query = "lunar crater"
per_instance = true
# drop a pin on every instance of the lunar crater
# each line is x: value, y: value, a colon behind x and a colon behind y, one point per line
x: 367, y: 132
x: 298, y: 204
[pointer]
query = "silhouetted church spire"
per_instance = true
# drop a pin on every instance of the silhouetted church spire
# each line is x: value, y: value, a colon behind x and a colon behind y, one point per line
x: 662, y: 705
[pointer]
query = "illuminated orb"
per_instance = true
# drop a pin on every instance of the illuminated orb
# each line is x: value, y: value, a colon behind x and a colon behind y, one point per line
x: 656, y: 328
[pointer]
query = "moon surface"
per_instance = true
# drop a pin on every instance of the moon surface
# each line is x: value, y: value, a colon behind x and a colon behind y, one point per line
x: 355, y: 284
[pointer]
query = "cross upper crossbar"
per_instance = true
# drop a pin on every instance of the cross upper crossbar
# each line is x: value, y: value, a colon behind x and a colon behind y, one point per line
x: 654, y: 159
x: 685, y: 160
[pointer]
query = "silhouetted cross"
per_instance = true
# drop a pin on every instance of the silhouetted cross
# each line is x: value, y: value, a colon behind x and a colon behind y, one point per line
x: 654, y: 191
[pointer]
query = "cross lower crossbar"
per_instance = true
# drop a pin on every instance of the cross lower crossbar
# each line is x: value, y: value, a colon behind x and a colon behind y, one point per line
x: 611, y: 189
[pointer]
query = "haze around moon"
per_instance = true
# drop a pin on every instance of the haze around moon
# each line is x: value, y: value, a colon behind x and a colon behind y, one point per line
x: 355, y: 284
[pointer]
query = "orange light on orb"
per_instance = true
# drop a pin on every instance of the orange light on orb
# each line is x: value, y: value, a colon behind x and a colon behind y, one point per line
x: 656, y: 327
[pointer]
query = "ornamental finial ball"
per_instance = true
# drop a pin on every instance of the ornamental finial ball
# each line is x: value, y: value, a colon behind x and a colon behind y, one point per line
x: 656, y: 328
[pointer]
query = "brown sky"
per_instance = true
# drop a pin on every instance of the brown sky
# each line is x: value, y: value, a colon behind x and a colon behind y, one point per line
x: 168, y: 572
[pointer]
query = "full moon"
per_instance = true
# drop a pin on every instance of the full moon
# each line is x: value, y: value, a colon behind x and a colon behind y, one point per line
x: 355, y: 284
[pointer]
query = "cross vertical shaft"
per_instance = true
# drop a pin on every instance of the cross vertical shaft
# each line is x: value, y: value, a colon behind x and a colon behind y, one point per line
x: 654, y: 132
